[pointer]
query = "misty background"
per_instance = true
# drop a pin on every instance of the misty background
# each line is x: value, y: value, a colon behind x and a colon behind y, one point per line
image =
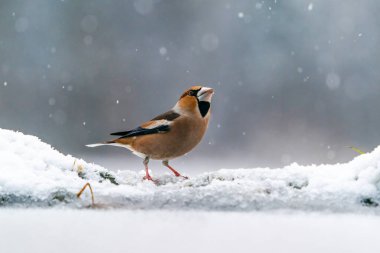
x: 295, y: 81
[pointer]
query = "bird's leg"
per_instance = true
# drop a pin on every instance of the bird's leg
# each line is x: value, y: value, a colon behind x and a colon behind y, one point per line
x: 147, y: 176
x: 176, y: 173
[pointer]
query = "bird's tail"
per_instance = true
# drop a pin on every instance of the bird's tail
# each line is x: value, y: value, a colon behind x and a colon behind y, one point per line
x: 100, y: 144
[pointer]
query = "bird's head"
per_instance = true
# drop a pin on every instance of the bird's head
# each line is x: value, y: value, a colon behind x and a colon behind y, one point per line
x: 197, y: 99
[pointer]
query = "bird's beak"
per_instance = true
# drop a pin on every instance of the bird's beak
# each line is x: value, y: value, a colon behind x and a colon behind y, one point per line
x: 205, y: 94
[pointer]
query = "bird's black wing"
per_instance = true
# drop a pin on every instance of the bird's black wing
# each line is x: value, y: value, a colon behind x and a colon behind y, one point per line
x: 124, y: 132
x: 145, y: 129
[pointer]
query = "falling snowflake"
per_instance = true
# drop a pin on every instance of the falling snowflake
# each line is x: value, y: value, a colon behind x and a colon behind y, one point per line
x: 310, y: 7
x: 163, y: 51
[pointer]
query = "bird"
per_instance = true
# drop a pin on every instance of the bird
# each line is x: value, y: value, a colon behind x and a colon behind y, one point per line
x: 171, y: 134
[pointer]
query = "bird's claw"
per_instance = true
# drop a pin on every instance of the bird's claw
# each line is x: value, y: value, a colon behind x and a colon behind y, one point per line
x: 149, y: 178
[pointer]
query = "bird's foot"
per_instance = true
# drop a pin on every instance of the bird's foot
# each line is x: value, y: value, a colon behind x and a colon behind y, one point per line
x: 176, y: 173
x: 149, y: 178
x: 180, y: 176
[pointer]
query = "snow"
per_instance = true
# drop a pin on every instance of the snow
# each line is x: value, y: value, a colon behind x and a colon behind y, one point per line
x: 78, y: 231
x: 310, y: 7
x: 333, y: 81
x: 34, y: 174
x: 163, y: 51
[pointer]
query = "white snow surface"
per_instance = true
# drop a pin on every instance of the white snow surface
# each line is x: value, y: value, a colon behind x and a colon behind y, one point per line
x: 32, y: 173
x: 122, y: 231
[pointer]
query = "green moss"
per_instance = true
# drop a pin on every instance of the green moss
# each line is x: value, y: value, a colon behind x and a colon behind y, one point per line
x: 82, y: 175
x: 298, y: 185
x: 60, y: 196
x: 108, y: 176
x: 370, y: 202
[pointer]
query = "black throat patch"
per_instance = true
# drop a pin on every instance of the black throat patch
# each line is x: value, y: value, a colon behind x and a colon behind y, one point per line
x: 204, y: 107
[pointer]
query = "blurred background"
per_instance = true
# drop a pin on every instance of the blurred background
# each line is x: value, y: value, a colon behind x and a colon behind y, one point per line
x: 295, y: 80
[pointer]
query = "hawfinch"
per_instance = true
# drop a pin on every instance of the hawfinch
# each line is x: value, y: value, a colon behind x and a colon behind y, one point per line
x: 171, y: 134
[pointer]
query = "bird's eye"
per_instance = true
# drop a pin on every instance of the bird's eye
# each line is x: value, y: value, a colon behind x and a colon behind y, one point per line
x: 192, y: 93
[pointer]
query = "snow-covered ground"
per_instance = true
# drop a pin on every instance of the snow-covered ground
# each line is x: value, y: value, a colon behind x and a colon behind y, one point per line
x: 324, y: 208
x: 111, y: 231
x: 34, y: 174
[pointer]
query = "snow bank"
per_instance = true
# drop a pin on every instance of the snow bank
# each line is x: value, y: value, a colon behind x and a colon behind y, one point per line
x: 32, y: 173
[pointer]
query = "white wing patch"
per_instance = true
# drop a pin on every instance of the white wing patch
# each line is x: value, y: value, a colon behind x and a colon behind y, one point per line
x: 157, y: 123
